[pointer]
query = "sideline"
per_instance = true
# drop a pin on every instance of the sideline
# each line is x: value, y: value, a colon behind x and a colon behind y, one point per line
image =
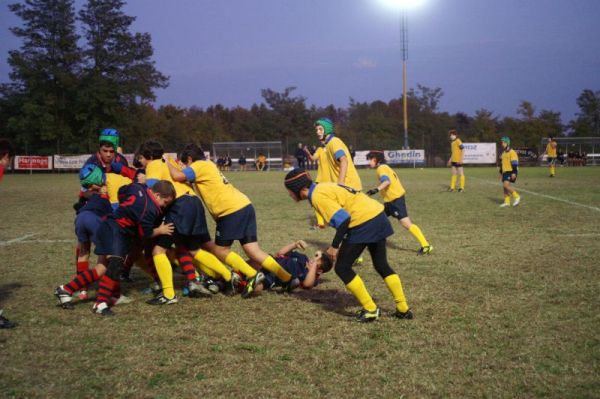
x: 542, y: 195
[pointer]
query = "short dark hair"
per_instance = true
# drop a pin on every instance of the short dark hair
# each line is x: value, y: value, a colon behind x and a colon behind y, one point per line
x: 378, y: 155
x: 164, y: 188
x: 452, y: 131
x: 151, y: 150
x: 326, y: 263
x: 6, y: 148
x: 193, y: 151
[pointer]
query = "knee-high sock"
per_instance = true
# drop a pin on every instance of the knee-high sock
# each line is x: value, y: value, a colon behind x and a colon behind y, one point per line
x: 213, y: 263
x: 515, y: 194
x: 320, y: 220
x: 238, y: 264
x: 552, y: 171
x: 507, y: 199
x: 165, y: 274
x: 186, y: 263
x: 462, y: 182
x: 81, y: 281
x: 395, y: 286
x: 81, y: 265
x: 453, y: 182
x: 210, y: 273
x: 418, y: 234
x: 106, y: 288
x: 358, y: 289
x: 271, y: 265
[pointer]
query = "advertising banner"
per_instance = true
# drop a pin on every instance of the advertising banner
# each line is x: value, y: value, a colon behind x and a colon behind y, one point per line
x: 32, y: 162
x: 70, y: 161
x: 394, y: 157
x: 479, y: 153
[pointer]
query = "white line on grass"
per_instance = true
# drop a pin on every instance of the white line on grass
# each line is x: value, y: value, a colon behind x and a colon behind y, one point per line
x: 15, y: 240
x: 545, y: 196
x: 24, y: 240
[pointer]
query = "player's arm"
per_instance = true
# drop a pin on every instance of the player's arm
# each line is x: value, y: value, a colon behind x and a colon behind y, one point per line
x: 290, y: 247
x: 385, y: 182
x: 312, y: 157
x: 341, y: 222
x: 176, y: 174
x: 514, y: 163
x: 311, y: 276
x: 343, y: 160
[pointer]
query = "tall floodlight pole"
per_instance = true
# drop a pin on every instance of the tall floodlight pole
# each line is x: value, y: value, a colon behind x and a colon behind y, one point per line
x: 403, y: 6
x: 404, y: 38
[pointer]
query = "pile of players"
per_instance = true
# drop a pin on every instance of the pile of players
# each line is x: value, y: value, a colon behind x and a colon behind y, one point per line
x: 152, y: 215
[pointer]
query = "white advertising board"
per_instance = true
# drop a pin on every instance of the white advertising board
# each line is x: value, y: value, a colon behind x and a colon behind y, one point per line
x: 479, y: 153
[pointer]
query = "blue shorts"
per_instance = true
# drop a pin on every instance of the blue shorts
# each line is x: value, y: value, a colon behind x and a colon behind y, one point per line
x: 456, y: 164
x: 373, y: 230
x: 551, y: 161
x: 239, y: 225
x: 396, y: 208
x: 86, y: 225
x: 111, y: 239
x: 191, y: 230
x: 507, y: 177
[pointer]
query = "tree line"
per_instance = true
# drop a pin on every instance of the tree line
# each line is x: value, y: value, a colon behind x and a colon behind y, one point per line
x: 77, y: 72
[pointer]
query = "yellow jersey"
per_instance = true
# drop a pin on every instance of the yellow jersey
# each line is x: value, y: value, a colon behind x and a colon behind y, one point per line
x: 456, y: 149
x: 219, y: 196
x: 338, y: 203
x: 157, y: 170
x: 320, y: 155
x: 334, y: 150
x: 395, y: 189
x: 113, y: 183
x: 509, y: 158
x: 551, y: 149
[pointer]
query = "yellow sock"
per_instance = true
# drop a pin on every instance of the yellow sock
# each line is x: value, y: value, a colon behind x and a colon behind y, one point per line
x: 507, y: 199
x: 418, y: 234
x: 210, y: 273
x: 358, y: 289
x: 165, y: 274
x: 453, y: 182
x: 238, y: 264
x: 213, y: 263
x: 552, y: 170
x: 271, y: 265
x: 395, y: 286
x: 320, y: 220
x: 462, y: 182
x: 515, y: 195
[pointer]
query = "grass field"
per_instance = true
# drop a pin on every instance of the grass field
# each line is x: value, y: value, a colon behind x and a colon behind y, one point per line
x: 508, y: 304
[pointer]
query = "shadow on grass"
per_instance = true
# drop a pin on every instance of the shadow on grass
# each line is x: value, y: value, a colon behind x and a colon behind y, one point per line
x: 329, y: 299
x: 495, y: 200
x: 6, y: 290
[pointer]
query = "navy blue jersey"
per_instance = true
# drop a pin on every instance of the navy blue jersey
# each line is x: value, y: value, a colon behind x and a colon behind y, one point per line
x: 98, y: 204
x: 138, y: 212
x: 295, y: 264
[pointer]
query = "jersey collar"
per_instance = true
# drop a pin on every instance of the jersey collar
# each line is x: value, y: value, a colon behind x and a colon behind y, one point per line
x: 328, y: 139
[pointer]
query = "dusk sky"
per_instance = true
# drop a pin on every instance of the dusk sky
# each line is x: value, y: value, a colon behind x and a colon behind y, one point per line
x: 482, y: 53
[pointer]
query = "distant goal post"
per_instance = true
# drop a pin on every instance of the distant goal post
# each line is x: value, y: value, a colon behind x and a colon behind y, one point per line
x: 272, y: 150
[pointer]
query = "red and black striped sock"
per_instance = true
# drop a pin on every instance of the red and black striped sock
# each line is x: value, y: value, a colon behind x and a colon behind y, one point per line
x: 83, y: 266
x: 106, y: 287
x: 187, y: 266
x: 82, y: 280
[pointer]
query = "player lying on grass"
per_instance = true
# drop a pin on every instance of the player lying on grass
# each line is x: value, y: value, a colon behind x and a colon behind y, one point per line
x: 305, y: 271
x: 133, y: 221
x: 191, y: 234
x: 393, y: 194
x: 509, y: 168
x: 233, y: 213
x: 360, y: 222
